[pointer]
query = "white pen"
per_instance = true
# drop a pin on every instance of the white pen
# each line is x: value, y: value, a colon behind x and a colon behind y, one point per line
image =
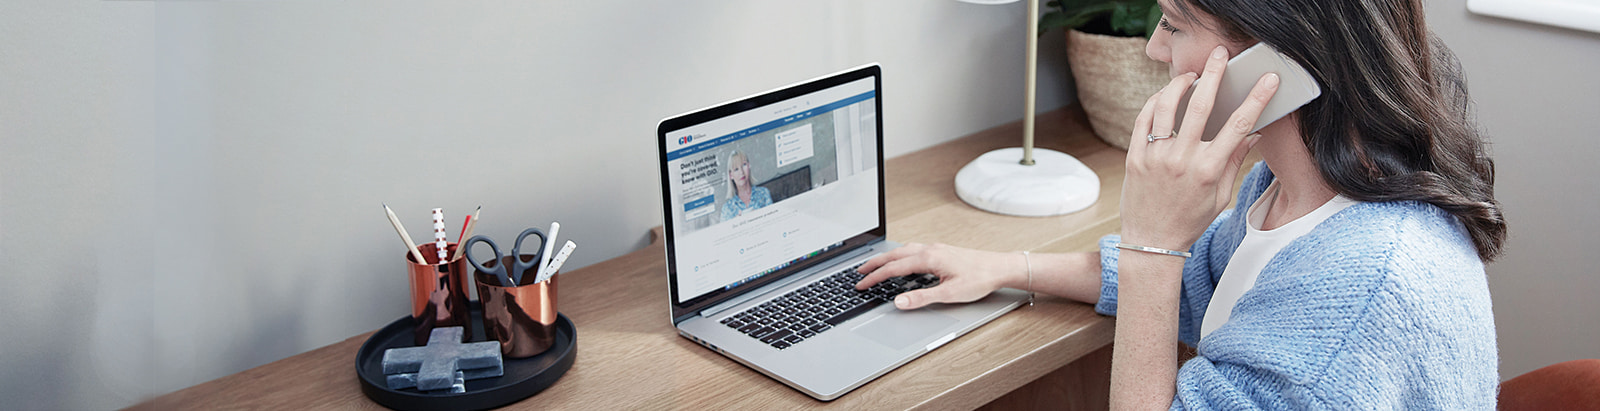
x: 555, y: 263
x: 549, y: 247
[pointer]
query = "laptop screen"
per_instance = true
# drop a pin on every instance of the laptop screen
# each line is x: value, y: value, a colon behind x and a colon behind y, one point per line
x: 771, y: 182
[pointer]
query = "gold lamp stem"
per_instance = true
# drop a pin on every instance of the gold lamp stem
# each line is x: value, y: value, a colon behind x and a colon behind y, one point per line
x: 996, y: 182
x: 1033, y: 57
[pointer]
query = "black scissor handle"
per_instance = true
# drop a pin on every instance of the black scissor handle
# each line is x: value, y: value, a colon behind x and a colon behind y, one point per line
x: 498, y: 270
x: 516, y: 253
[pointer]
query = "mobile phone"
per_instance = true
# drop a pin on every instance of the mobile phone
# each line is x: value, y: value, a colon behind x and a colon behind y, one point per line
x: 1295, y: 89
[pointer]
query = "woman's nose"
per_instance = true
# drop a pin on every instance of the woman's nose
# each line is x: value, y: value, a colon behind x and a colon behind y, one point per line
x: 1157, y: 48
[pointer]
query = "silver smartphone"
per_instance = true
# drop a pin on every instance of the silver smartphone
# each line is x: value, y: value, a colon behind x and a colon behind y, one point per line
x: 1295, y: 88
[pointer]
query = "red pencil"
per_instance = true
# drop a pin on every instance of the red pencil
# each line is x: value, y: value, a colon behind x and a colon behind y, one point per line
x: 466, y: 232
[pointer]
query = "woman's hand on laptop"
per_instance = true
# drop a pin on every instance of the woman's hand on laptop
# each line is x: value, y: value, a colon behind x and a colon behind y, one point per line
x: 965, y: 275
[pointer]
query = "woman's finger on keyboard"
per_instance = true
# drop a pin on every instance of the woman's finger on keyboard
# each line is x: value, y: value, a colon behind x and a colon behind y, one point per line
x: 900, y: 261
x: 885, y: 258
x: 951, y: 289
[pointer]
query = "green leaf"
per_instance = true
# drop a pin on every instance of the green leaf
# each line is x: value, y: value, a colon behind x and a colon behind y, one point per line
x: 1079, y: 20
x: 1137, y: 20
x: 1053, y: 21
x: 1122, y: 17
x: 1153, y: 22
x: 1073, y: 6
x: 1119, y: 18
x: 1096, y: 9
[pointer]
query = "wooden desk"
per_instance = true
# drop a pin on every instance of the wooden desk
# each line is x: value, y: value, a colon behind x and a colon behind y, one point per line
x: 629, y: 356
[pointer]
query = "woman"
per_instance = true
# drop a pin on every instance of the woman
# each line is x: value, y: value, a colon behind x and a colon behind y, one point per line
x: 742, y: 197
x: 1349, y: 275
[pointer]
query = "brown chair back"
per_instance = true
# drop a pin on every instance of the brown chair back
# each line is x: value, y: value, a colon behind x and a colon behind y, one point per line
x: 1570, y: 385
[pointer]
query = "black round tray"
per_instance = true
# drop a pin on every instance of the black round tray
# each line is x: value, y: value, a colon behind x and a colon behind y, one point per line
x: 523, y: 377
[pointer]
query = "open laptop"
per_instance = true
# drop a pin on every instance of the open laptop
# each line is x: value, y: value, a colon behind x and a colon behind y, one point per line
x: 770, y: 202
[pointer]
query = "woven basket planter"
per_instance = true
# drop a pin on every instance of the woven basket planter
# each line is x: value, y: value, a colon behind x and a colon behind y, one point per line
x: 1114, y: 78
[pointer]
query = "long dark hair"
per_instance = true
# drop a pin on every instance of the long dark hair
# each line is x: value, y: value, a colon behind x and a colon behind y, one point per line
x: 1393, y: 122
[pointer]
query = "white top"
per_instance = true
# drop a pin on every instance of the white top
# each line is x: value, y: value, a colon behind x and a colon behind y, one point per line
x: 1257, y: 249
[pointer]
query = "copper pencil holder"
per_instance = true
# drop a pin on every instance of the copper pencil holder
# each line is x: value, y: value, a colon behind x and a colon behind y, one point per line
x: 521, y: 318
x: 438, y: 293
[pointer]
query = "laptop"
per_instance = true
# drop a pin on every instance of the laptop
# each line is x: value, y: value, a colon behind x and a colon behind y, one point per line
x: 770, y: 203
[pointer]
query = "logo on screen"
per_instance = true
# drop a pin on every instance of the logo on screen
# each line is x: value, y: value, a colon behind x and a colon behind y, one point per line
x: 685, y: 140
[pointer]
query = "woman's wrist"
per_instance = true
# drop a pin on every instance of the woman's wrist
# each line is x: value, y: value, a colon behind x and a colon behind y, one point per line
x: 1164, y: 242
x: 1072, y: 275
x: 1154, y: 250
x: 1013, y: 270
x: 1138, y: 270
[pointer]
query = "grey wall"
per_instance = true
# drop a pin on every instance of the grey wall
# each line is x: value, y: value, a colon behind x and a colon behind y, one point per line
x: 190, y: 189
x: 1539, y: 100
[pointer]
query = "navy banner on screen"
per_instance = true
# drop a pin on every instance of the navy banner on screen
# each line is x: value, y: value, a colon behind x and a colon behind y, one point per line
x: 674, y: 155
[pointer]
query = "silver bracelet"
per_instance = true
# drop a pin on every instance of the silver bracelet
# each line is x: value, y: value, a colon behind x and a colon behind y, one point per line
x: 1126, y: 246
x: 1029, y: 262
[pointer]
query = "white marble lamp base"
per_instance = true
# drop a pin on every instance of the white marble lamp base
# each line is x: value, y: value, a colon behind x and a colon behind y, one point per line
x: 1056, y: 184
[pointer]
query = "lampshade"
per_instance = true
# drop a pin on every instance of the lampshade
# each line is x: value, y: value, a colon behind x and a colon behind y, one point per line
x: 1026, y: 181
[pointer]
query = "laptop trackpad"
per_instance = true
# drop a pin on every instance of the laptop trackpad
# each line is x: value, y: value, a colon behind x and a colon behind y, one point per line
x: 901, y: 329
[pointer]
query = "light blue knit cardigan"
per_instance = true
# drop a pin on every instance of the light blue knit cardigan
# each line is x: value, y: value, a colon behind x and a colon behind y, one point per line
x: 1383, y: 306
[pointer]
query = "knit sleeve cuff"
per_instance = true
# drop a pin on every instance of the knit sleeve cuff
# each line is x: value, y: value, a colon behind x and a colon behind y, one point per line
x: 1108, y: 275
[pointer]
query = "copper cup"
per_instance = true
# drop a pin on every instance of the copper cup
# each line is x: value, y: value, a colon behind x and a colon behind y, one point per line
x: 438, y: 293
x: 521, y: 318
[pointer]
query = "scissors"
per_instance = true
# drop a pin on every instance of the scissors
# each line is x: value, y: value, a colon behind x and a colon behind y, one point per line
x: 518, y: 266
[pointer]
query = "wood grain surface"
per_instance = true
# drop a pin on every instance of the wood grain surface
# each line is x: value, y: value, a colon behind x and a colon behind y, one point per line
x: 630, y: 357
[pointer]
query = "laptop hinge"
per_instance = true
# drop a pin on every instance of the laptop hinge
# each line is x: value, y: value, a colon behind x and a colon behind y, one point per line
x: 776, y: 285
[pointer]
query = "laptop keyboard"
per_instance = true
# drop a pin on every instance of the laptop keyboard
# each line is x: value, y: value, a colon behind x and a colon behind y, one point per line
x: 803, y: 313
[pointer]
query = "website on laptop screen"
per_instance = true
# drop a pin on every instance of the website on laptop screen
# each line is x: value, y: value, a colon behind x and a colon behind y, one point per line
x: 766, y: 188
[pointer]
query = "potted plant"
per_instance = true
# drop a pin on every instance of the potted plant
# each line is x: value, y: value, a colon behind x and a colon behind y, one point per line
x: 1105, y: 49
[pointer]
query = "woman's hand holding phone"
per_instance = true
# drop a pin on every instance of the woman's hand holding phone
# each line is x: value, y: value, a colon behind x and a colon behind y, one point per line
x: 1176, y: 183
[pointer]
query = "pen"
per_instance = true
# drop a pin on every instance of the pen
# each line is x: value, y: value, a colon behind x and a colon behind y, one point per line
x: 466, y: 232
x: 410, y: 246
x: 555, y: 263
x: 549, y: 248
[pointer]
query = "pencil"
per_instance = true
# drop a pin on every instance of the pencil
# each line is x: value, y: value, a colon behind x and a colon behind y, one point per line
x: 410, y: 246
x: 466, y: 232
x: 461, y: 243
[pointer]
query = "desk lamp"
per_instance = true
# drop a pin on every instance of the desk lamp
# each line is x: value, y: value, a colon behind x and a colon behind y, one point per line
x: 1044, y: 182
